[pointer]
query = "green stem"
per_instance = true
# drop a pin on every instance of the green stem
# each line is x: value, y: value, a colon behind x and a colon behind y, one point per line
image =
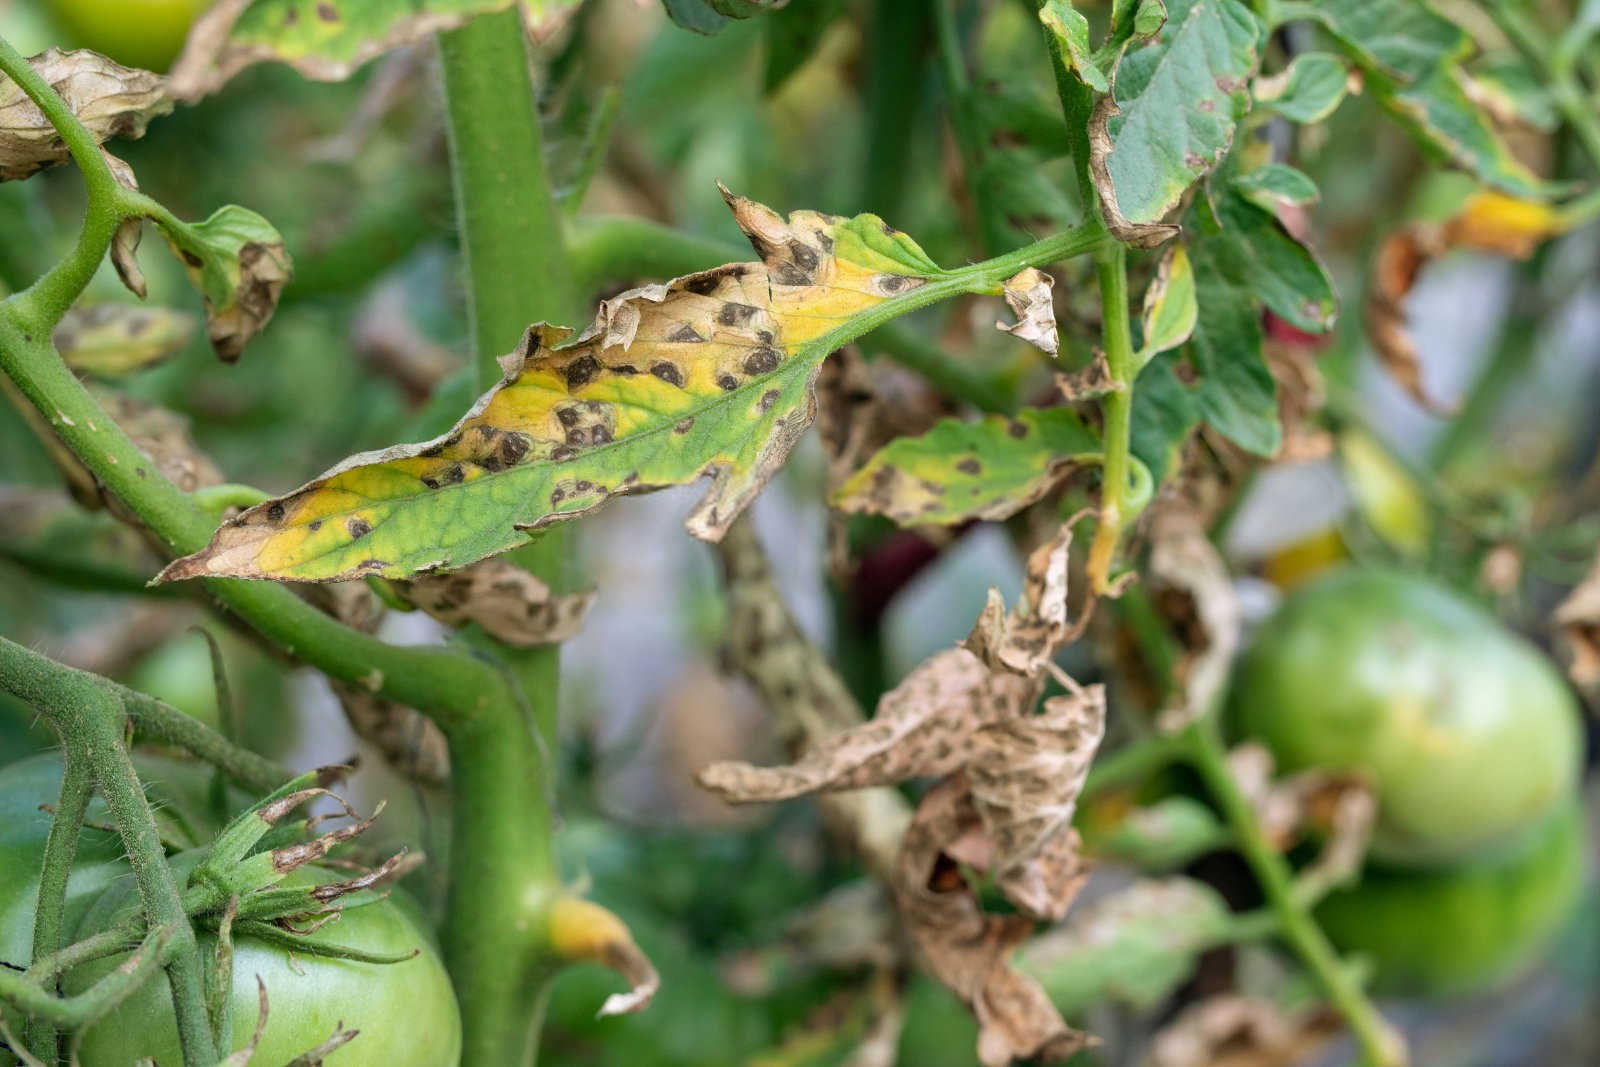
x: 256, y: 773
x: 503, y: 851
x: 1530, y: 39
x: 898, y: 36
x: 1379, y: 1045
x: 49, y: 917
x: 1117, y: 510
x: 78, y: 1011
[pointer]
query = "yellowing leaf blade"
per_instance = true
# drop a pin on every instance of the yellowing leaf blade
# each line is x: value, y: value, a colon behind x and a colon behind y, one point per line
x: 711, y: 373
x: 1170, y: 308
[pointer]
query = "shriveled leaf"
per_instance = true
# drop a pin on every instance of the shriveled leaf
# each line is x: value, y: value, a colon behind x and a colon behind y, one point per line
x: 1027, y: 294
x: 580, y: 930
x: 989, y: 469
x: 709, y: 373
x: 110, y: 340
x: 327, y: 40
x: 1273, y: 185
x: 967, y: 949
x: 1087, y: 383
x: 1308, y: 90
x: 408, y: 741
x: 109, y: 99
x: 1411, y: 56
x: 1336, y: 808
x: 163, y: 436
x: 1071, y: 33
x: 237, y: 261
x: 1136, y: 945
x: 1189, y: 576
x: 125, y: 238
x: 1024, y: 639
x: 1172, y: 114
x: 509, y: 603
x: 1170, y: 310
x: 1578, y: 616
x: 1229, y: 1030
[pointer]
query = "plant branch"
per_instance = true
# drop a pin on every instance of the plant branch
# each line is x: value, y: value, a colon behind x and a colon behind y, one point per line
x: 1117, y: 507
x: 60, y: 846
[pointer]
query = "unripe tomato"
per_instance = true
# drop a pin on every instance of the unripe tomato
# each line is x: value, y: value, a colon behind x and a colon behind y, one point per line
x: 1460, y: 930
x: 1465, y: 730
x: 137, y: 33
x: 406, y: 1012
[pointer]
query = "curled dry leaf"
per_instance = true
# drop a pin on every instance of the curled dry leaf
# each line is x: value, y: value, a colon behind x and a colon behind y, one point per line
x: 110, y: 340
x: 164, y: 437
x: 1336, y: 807
x: 237, y: 261
x: 968, y: 949
x: 1487, y: 222
x: 1027, y: 294
x: 1196, y: 592
x: 408, y: 741
x: 1578, y: 616
x: 1023, y: 640
x: 1089, y: 382
x: 509, y: 603
x: 716, y: 378
x: 109, y: 99
x: 125, y: 239
x: 1237, y: 1031
x: 582, y: 930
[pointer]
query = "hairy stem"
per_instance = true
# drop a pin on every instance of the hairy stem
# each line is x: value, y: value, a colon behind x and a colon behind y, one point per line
x: 1380, y: 1046
x: 1117, y: 509
x: 49, y: 917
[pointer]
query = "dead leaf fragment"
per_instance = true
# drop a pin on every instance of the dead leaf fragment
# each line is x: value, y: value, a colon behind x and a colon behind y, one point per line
x: 1024, y: 640
x: 110, y: 340
x: 1196, y: 591
x: 582, y: 930
x: 163, y: 436
x: 1337, y: 808
x: 1578, y: 616
x: 968, y: 950
x: 109, y: 99
x: 408, y: 741
x: 1088, y: 383
x: 509, y: 603
x: 125, y: 239
x: 1027, y: 294
x: 1237, y: 1031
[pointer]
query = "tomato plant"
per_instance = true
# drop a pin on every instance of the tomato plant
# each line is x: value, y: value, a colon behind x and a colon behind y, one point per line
x: 1103, y: 313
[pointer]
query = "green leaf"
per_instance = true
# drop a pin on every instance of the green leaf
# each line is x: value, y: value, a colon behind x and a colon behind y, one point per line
x: 237, y: 261
x: 1169, y: 307
x: 957, y: 471
x: 1235, y: 393
x: 711, y: 373
x: 1412, y: 57
x: 793, y: 34
x: 1259, y: 255
x: 326, y: 40
x: 1308, y: 90
x: 1172, y: 115
x: 710, y: 16
x: 1071, y: 32
x: 1273, y: 184
x: 1136, y: 20
x: 1164, y: 414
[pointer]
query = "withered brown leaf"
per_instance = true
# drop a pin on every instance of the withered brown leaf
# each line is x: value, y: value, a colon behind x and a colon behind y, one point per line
x: 1195, y: 589
x: 1578, y: 616
x: 510, y: 604
x: 109, y: 99
x: 1027, y: 294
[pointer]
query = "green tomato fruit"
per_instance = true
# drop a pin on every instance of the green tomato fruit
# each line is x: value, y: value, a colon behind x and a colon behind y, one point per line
x: 406, y: 1013
x: 1467, y: 733
x: 1463, y: 930
x: 137, y: 33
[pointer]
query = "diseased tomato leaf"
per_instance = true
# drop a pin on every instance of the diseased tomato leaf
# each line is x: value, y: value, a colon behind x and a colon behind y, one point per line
x: 1171, y: 115
x: 110, y: 340
x: 957, y: 471
x: 1170, y: 310
x: 711, y: 373
x: 109, y: 99
x: 327, y: 40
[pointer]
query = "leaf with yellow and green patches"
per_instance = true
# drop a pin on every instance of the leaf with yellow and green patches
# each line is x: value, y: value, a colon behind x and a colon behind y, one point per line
x: 958, y: 471
x: 711, y: 373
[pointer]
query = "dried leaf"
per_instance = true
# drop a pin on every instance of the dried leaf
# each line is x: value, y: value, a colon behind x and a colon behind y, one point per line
x: 1088, y: 383
x: 125, y: 239
x: 111, y: 340
x: 408, y: 741
x: 1024, y: 640
x: 1336, y: 807
x: 965, y: 948
x: 1578, y: 616
x: 109, y: 99
x: 582, y: 930
x: 1027, y: 294
x: 1193, y: 581
x: 510, y: 604
x: 717, y: 379
x: 958, y: 471
x: 1170, y: 309
x: 327, y: 40
x: 1236, y: 1031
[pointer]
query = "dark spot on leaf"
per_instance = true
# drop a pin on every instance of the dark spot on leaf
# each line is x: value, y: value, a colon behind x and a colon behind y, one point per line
x: 490, y: 463
x: 891, y: 283
x: 627, y: 370
x: 563, y: 452
x: 825, y: 241
x: 140, y: 472
x: 192, y: 259
x: 290, y: 16
x: 583, y: 487
x: 453, y: 475
x: 513, y: 446
x: 763, y: 250
x: 684, y: 427
x: 581, y: 371
x: 557, y: 495
x: 703, y: 284
x: 969, y: 466
x: 327, y: 12
x: 567, y: 416
x: 768, y: 398
x: 764, y: 336
x: 788, y: 274
x: 888, y: 230
x: 933, y: 487
x: 733, y: 313
x: 577, y: 437
x: 761, y: 361
x: 600, y: 435
x: 430, y: 482
x: 804, y: 255
x: 727, y: 382
x: 684, y: 334
x: 668, y: 373
x: 358, y: 528
x: 314, y: 525
x: 1016, y: 429
x: 275, y: 512
x: 633, y: 476
x: 372, y: 565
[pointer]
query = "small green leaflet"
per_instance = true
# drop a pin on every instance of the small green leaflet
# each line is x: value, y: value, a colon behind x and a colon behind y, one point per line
x: 1169, y: 307
x: 1308, y: 90
x: 710, y: 16
x: 958, y: 471
x: 1257, y: 253
x: 1273, y: 184
x: 1071, y: 32
x: 1171, y: 117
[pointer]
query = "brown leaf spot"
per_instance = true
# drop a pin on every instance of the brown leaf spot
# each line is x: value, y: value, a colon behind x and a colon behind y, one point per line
x: 668, y: 373
x: 582, y: 371
x: 762, y: 361
x: 969, y: 465
x: 768, y: 398
x: 357, y: 529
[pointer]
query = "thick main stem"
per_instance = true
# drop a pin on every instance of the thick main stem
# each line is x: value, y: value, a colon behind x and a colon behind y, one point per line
x: 518, y: 271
